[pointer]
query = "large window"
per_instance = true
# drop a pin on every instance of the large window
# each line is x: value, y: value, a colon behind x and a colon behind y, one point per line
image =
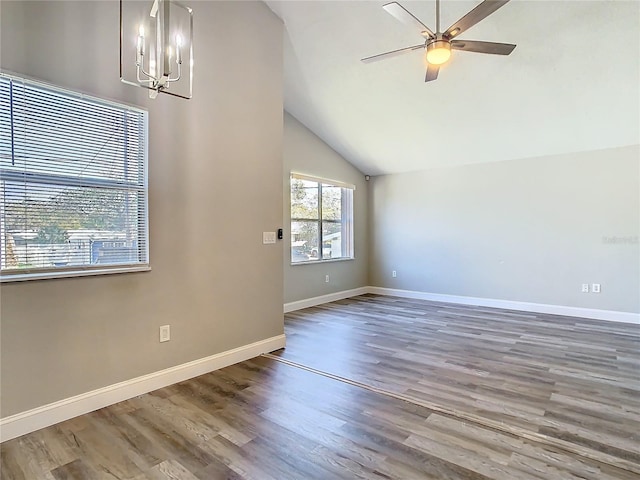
x: 321, y: 219
x: 73, y: 183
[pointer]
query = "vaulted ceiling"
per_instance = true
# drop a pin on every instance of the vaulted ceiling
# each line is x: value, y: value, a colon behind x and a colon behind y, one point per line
x: 571, y: 84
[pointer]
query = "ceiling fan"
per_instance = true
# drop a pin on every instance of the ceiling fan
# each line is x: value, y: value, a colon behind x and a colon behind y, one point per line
x: 438, y: 45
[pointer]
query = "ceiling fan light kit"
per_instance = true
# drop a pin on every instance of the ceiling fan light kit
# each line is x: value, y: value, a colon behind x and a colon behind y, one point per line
x: 438, y: 45
x: 438, y: 52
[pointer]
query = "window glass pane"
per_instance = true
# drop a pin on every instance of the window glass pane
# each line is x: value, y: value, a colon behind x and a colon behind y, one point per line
x: 304, y: 199
x: 331, y: 202
x: 49, y: 226
x: 332, y: 240
x: 304, y: 241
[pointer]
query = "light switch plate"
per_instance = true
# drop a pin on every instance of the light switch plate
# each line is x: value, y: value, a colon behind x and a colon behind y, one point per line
x: 268, y: 237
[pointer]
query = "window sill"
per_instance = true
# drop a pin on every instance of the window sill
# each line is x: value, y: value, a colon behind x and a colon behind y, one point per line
x: 23, y: 277
x: 320, y: 262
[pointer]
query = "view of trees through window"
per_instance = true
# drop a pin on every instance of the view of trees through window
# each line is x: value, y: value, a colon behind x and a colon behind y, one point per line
x: 67, y: 226
x: 321, y: 220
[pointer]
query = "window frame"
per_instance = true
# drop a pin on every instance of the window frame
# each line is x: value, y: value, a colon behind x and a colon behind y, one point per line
x: 141, y: 188
x: 347, y: 219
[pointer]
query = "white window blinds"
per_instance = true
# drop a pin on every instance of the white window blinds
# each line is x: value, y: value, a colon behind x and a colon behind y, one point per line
x: 73, y: 181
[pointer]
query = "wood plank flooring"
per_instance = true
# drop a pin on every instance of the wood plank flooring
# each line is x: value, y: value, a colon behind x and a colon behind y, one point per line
x: 569, y: 379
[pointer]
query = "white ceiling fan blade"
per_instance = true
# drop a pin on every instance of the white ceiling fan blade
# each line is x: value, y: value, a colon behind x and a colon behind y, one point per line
x: 483, y: 47
x: 402, y: 14
x: 479, y: 13
x: 393, y: 53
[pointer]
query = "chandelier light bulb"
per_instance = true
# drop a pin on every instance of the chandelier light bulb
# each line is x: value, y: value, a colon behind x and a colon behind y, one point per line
x: 140, y: 45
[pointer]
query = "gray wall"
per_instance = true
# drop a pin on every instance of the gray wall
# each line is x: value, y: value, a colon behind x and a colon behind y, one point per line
x: 305, y: 153
x: 215, y: 184
x: 527, y: 230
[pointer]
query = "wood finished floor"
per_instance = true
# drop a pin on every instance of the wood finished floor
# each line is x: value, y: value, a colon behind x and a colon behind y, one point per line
x: 565, y: 378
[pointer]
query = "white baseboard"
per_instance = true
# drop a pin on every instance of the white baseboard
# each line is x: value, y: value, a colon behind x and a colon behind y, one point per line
x: 331, y: 297
x: 593, y: 313
x: 37, y: 418
x: 610, y: 315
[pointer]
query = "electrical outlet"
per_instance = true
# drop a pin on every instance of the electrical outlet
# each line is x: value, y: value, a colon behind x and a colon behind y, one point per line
x: 165, y: 333
x: 393, y: 274
x: 595, y: 287
x: 326, y: 278
x: 585, y: 288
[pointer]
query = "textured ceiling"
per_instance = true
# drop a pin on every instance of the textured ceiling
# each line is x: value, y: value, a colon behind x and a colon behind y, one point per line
x: 571, y: 84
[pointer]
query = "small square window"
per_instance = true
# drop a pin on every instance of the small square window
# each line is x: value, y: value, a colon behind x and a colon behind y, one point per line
x: 321, y: 219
